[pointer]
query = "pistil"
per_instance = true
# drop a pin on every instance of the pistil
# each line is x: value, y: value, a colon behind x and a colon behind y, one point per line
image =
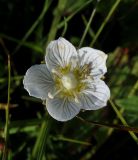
x: 69, y: 81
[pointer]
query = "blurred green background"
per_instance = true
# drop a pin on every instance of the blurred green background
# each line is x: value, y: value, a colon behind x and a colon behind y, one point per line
x: 26, y: 27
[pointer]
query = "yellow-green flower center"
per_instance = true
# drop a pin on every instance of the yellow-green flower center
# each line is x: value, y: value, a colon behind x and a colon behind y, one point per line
x: 70, y: 82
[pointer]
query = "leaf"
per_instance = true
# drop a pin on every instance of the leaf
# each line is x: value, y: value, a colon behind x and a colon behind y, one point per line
x: 135, y: 66
x: 130, y: 103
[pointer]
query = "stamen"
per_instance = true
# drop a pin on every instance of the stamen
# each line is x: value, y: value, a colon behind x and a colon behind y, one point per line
x: 89, y: 77
x: 87, y: 80
x: 44, y: 102
x: 51, y: 96
x: 57, y: 73
x: 76, y: 98
x: 103, y: 77
x: 84, y: 68
x: 74, y: 62
x: 84, y: 80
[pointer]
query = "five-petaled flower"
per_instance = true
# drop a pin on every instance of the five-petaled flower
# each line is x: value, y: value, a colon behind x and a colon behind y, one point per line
x: 70, y: 80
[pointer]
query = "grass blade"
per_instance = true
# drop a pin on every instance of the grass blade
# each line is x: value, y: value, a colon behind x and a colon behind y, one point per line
x: 88, y: 26
x: 105, y: 21
x: 29, y: 32
x: 40, y: 144
x: 5, y: 151
x: 123, y: 120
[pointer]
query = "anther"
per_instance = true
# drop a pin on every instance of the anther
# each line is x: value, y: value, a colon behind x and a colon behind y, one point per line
x: 51, y: 96
x: 57, y: 73
x: 76, y: 98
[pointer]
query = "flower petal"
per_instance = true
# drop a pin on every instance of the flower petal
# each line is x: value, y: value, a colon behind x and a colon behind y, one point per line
x: 59, y: 53
x: 62, y: 109
x: 96, y: 59
x: 38, y: 81
x: 95, y: 96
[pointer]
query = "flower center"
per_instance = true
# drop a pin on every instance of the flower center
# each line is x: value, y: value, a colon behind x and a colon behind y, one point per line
x: 69, y: 81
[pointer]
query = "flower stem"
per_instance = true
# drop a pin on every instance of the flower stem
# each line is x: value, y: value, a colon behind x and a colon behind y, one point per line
x: 61, y: 138
x: 133, y: 90
x: 114, y: 126
x: 74, y: 13
x: 123, y: 120
x: 6, y: 130
x: 91, y: 32
x: 105, y: 21
x: 87, y: 27
x: 57, y: 16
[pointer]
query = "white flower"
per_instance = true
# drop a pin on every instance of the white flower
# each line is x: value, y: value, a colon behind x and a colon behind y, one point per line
x: 70, y: 80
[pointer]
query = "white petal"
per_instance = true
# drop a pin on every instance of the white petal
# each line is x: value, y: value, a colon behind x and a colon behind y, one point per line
x: 62, y: 109
x: 94, y: 57
x: 59, y: 53
x: 38, y: 81
x: 95, y: 96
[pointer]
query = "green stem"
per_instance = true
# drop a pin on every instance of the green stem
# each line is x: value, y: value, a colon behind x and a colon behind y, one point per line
x: 87, y: 27
x: 114, y: 126
x: 115, y: 121
x: 35, y: 24
x: 133, y: 90
x: 57, y: 16
x: 74, y: 13
x: 65, y: 27
x: 91, y: 32
x: 5, y: 152
x: 40, y: 144
x: 30, y: 45
x: 105, y: 21
x: 123, y: 120
x: 61, y: 138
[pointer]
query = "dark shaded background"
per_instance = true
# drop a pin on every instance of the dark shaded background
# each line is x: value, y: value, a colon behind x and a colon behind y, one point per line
x: 16, y: 17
